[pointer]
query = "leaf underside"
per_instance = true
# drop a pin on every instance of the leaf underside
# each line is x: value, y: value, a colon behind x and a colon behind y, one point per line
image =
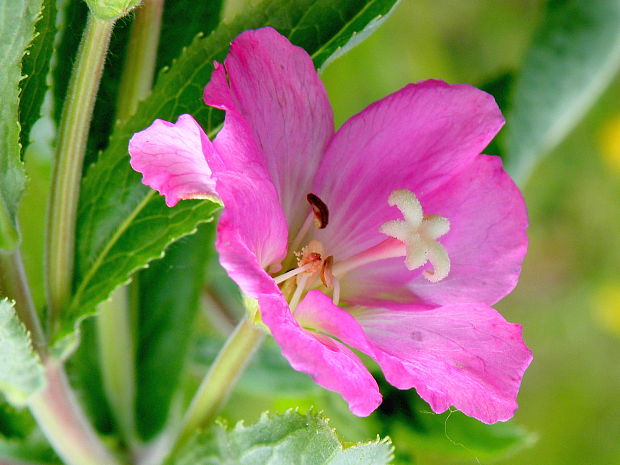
x: 21, y: 373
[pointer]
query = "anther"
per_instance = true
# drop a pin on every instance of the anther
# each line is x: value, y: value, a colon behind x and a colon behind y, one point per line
x: 321, y: 213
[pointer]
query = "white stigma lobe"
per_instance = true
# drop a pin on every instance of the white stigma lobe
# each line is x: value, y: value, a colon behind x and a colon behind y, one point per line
x: 419, y: 233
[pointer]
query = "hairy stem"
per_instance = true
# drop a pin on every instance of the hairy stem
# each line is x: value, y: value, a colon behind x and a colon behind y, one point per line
x: 15, y: 286
x: 73, y: 134
x: 59, y: 415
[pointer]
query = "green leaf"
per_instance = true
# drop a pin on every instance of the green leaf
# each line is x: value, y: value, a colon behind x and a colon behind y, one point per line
x: 281, y: 439
x: 17, y: 20
x: 142, y: 236
x: 21, y: 373
x: 573, y: 56
x: 30, y: 450
x: 35, y: 67
x: 179, y: 28
x: 73, y: 14
x: 334, y: 37
x: 457, y: 435
x: 117, y: 214
x: 15, y: 422
x: 169, y: 300
x: 86, y: 378
x: 416, y: 429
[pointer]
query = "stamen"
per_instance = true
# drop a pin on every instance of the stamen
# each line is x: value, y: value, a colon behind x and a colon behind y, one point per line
x: 321, y: 213
x: 336, y: 293
x: 326, y: 272
x: 419, y: 234
x: 294, y: 272
x: 301, y: 286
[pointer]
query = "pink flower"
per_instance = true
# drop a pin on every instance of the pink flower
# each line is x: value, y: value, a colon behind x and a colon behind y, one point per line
x: 392, y: 236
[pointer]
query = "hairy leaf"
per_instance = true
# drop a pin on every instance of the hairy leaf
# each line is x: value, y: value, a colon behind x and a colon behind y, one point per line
x: 117, y: 215
x: 573, y: 56
x: 21, y: 373
x: 281, y: 439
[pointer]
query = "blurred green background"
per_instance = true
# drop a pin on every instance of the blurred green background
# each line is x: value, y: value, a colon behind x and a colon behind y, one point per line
x: 568, y: 298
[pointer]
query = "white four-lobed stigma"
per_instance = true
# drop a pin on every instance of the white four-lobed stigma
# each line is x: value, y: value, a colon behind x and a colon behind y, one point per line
x: 419, y: 233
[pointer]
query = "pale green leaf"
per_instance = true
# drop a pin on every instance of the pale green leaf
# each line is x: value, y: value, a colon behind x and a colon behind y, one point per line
x: 21, y: 373
x: 17, y: 20
x: 111, y: 9
x: 573, y: 56
x: 281, y: 439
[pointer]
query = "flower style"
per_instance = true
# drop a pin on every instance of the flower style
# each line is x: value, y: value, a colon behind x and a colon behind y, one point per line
x: 392, y: 236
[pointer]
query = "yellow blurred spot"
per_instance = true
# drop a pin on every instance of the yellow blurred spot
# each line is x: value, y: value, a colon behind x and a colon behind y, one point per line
x: 606, y: 306
x: 610, y: 143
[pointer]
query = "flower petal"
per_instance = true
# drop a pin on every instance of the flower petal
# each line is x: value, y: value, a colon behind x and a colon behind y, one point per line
x: 252, y: 231
x: 273, y: 86
x: 467, y: 356
x: 171, y: 160
x: 330, y: 363
x: 486, y: 243
x: 414, y: 139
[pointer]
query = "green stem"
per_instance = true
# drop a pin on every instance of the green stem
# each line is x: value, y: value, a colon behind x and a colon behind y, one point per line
x: 115, y: 325
x: 221, y: 378
x: 15, y: 285
x: 117, y: 359
x: 141, y: 58
x: 61, y: 419
x: 74, y: 126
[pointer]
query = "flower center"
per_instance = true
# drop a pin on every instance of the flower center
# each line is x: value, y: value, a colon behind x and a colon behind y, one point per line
x: 414, y: 237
